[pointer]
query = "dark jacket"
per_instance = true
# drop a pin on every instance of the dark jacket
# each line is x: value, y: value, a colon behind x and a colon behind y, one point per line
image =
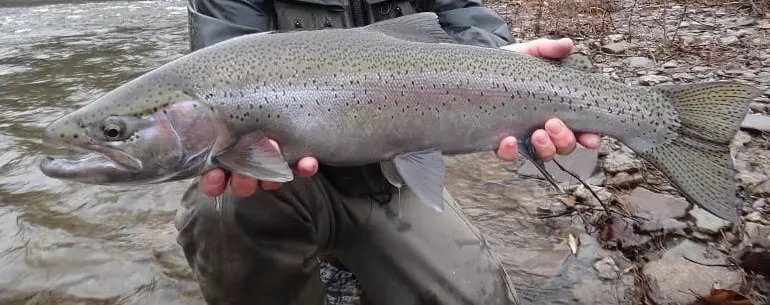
x: 469, y: 22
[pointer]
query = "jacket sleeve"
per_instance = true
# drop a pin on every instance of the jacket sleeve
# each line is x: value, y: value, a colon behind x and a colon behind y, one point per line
x: 470, y: 22
x: 212, y: 21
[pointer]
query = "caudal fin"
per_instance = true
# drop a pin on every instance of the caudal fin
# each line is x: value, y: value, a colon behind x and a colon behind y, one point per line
x: 698, y: 161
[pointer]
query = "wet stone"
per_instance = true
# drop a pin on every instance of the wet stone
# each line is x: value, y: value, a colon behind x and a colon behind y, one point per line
x: 617, y: 47
x: 757, y: 217
x: 756, y: 122
x: 620, y: 162
x: 584, y: 195
x: 635, y: 62
x: 675, y: 277
x: 650, y: 80
x: 624, y: 179
x: 657, y: 207
x: 706, y: 222
x: 606, y: 268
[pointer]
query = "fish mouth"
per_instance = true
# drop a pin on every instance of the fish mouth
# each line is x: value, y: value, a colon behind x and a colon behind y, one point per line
x: 90, y: 165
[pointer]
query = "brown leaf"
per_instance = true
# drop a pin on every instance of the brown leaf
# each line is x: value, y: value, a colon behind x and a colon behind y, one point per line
x: 722, y: 297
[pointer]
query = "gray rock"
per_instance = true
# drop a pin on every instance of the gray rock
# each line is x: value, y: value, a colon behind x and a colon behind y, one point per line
x: 615, y: 37
x: 758, y: 107
x: 650, y: 80
x: 707, y: 222
x: 757, y: 231
x: 728, y: 40
x: 657, y: 207
x: 756, y: 122
x: 666, y: 226
x: 682, y: 76
x: 749, y: 180
x: 582, y: 193
x: 636, y: 62
x: 606, y: 268
x: 670, y: 64
x: 763, y: 189
x: 617, y: 47
x: 625, y: 180
x: 620, y: 162
x: 757, y: 217
x: 742, y: 137
x: 676, y: 277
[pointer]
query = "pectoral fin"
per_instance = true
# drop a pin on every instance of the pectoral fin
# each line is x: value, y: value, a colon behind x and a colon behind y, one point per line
x: 254, y: 156
x: 423, y: 172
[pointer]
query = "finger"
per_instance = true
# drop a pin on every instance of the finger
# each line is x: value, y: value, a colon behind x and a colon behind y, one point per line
x: 243, y: 186
x: 508, y: 150
x: 213, y: 182
x: 549, y: 48
x: 307, y: 167
x: 589, y: 140
x: 561, y: 136
x: 543, y: 146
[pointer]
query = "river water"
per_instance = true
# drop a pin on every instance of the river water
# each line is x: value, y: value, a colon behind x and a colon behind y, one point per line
x: 67, y: 243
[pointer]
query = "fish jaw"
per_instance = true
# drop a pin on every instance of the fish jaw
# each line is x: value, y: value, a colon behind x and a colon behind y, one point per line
x: 172, y: 143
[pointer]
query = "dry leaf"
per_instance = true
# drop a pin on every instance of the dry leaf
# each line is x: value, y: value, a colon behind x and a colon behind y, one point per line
x: 722, y: 297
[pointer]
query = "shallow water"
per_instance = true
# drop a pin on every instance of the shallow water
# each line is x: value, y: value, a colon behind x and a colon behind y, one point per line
x: 69, y: 243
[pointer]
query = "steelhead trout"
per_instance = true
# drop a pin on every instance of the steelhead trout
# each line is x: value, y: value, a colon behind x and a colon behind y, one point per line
x: 400, y: 93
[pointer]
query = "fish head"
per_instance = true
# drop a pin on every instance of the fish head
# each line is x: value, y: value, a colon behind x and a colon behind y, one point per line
x: 134, y: 139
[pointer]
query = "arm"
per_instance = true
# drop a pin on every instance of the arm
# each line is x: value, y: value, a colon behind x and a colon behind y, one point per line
x: 470, y: 22
x: 212, y: 21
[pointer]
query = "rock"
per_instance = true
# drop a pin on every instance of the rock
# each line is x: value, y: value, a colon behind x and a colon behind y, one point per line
x: 670, y: 64
x: 756, y: 122
x: 616, y: 47
x: 759, y: 204
x: 742, y: 137
x: 707, y: 222
x: 677, y: 277
x: 636, y: 62
x: 682, y: 76
x: 657, y: 207
x: 650, y: 80
x: 756, y: 217
x: 666, y: 226
x: 728, y: 40
x: 762, y: 189
x: 623, y: 179
x: 582, y: 193
x: 749, y: 180
x: 758, y: 107
x: 620, y: 162
x: 757, y: 230
x: 606, y: 268
x: 615, y: 37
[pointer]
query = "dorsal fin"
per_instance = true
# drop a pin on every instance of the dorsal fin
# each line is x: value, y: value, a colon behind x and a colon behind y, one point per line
x: 418, y: 27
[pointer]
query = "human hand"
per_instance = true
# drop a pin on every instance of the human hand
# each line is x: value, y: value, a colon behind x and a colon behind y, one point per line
x: 555, y: 138
x: 214, y: 182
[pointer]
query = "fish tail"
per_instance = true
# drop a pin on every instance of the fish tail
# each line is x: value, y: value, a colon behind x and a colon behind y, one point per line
x: 698, y: 160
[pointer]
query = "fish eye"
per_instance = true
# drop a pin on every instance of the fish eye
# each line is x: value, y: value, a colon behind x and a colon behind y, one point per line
x: 114, y: 129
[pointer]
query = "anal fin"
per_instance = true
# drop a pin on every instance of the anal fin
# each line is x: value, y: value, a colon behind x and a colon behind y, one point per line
x: 253, y: 155
x: 423, y: 172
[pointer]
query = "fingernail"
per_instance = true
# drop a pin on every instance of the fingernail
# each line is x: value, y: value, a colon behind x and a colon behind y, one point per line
x: 542, y: 139
x: 556, y: 128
